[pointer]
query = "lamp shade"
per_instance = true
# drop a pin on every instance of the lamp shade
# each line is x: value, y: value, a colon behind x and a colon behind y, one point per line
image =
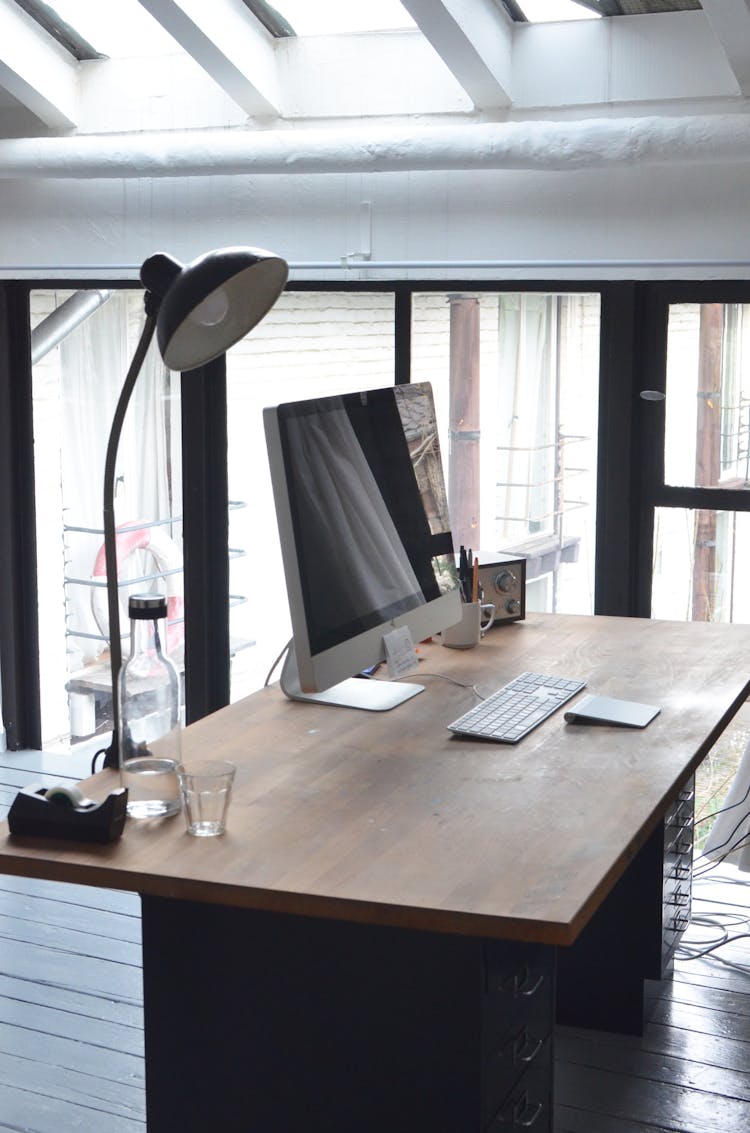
x: 204, y: 307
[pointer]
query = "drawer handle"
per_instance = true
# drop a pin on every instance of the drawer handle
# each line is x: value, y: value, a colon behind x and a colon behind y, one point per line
x: 525, y: 984
x: 522, y: 1048
x: 682, y: 842
x: 529, y: 1051
x: 524, y: 1114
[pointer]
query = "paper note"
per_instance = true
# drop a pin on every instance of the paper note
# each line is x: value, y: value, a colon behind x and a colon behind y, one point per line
x: 400, y: 653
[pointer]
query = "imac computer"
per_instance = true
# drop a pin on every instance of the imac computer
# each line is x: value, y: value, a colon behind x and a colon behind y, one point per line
x: 365, y: 537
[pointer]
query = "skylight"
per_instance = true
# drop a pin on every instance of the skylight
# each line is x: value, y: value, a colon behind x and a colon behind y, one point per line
x: 115, y: 28
x: 331, y: 17
x: 547, y: 11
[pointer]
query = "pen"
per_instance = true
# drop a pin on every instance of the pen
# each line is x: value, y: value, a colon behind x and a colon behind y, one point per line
x: 463, y: 574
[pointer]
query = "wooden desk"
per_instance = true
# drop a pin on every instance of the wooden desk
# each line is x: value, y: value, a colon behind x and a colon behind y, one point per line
x: 361, y: 950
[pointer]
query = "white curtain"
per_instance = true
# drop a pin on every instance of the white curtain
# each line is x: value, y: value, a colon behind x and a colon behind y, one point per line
x: 526, y: 421
x: 94, y: 361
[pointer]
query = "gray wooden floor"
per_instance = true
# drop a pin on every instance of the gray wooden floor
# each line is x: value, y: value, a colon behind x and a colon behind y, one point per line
x: 71, y: 1031
x: 690, y: 1072
x: 71, y: 999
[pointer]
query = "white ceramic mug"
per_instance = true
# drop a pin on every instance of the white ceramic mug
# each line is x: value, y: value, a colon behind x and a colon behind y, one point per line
x: 476, y: 619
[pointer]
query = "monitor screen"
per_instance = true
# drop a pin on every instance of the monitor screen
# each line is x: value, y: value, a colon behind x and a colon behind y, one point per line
x: 365, y: 532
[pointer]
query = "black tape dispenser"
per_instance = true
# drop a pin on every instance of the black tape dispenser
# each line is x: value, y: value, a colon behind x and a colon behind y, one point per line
x: 63, y: 811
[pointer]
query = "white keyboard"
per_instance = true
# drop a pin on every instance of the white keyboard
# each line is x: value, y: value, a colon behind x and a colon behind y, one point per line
x: 509, y: 714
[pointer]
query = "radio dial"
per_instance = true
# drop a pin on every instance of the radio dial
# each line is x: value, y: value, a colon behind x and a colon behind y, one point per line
x: 505, y: 581
x: 513, y: 606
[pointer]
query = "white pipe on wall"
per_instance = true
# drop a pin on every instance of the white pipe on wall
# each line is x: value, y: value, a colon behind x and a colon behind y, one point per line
x: 540, y: 146
x: 62, y: 321
x: 362, y: 267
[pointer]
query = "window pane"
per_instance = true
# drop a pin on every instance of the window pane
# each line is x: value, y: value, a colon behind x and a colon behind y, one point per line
x: 311, y: 344
x: 707, y: 426
x: 701, y: 562
x: 76, y: 383
x: 516, y: 384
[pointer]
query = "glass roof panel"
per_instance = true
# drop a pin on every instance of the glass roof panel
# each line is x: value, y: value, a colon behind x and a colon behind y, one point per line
x: 546, y: 11
x: 117, y: 28
x: 329, y: 17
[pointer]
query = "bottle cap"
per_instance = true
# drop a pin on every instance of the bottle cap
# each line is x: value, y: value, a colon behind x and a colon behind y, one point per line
x: 147, y: 606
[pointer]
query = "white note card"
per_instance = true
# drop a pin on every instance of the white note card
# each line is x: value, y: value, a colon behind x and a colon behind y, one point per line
x: 400, y: 653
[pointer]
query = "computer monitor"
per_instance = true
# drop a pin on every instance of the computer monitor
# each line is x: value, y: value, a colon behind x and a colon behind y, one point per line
x: 365, y: 536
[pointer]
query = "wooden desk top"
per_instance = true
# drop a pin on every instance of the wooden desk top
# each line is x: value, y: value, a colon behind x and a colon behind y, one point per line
x: 388, y: 818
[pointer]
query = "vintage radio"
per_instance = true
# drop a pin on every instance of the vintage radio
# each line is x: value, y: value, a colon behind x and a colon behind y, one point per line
x: 502, y: 580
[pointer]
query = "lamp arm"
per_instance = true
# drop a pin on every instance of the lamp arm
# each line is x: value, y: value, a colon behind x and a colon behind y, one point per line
x: 111, y: 758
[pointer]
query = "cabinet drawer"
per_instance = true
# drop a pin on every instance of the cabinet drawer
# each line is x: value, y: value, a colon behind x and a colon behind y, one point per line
x: 528, y: 1107
x: 520, y: 987
x: 523, y: 1053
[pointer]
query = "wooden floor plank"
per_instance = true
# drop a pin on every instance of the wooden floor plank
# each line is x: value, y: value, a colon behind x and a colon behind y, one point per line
x: 96, y: 938
x: 568, y: 1119
x: 49, y: 1019
x: 114, y: 900
x: 84, y: 1005
x: 121, y: 1097
x: 23, y: 1111
x: 649, y: 1061
x: 95, y: 976
x: 665, y: 1104
x: 71, y: 1053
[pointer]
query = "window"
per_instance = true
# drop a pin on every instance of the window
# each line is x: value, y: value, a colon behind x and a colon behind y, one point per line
x: 312, y: 343
x: 76, y: 382
x: 516, y: 378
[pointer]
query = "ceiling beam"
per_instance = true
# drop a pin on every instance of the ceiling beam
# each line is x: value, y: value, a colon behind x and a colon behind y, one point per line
x: 474, y: 40
x: 229, y: 44
x: 730, y: 22
x: 36, y: 70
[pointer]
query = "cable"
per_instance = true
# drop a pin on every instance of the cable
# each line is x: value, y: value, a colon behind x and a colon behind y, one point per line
x: 726, y: 843
x: 723, y: 809
x: 443, y: 677
x: 686, y: 953
x: 270, y: 672
x: 101, y: 751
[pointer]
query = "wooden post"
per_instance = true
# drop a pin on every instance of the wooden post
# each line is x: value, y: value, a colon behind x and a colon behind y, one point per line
x: 707, y: 457
x: 463, y: 476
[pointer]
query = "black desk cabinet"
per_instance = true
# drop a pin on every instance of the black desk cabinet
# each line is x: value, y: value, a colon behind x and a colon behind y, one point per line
x: 431, y: 1033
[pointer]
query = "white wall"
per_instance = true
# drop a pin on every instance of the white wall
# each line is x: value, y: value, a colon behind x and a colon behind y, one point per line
x: 684, y: 220
x: 682, y: 214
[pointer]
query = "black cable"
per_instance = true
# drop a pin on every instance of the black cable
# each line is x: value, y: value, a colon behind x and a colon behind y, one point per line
x: 738, y: 845
x: 724, y: 809
x: 102, y: 751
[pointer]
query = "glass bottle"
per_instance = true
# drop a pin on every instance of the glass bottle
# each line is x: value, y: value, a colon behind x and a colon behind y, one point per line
x: 149, y: 730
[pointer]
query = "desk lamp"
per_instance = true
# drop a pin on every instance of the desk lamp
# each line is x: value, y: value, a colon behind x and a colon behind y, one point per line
x: 198, y: 311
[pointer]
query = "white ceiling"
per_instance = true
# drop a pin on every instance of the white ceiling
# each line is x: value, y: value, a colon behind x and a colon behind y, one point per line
x: 186, y: 65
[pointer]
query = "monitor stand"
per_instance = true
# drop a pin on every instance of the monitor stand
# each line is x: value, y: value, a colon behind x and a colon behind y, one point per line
x: 356, y: 692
